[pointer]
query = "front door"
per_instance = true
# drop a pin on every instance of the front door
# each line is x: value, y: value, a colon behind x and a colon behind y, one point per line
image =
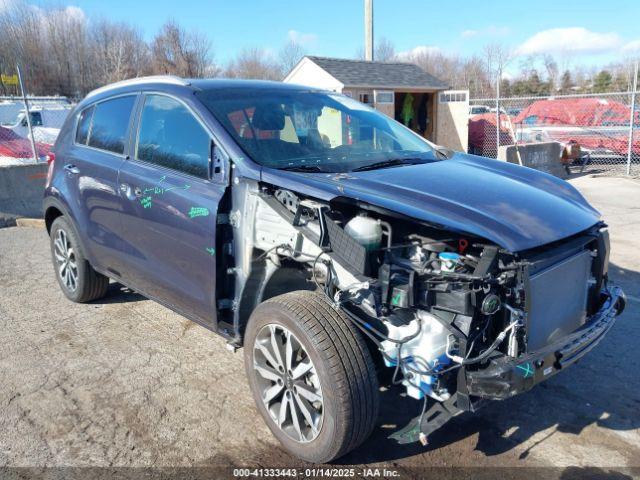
x: 169, y: 217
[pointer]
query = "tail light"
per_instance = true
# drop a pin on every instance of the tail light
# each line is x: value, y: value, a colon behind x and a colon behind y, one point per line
x: 51, y: 160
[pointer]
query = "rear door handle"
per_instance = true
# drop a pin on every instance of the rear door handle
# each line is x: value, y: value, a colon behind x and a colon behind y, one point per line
x: 72, y: 169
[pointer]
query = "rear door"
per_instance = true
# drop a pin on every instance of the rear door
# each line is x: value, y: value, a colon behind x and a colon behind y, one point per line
x: 170, y: 207
x: 90, y: 165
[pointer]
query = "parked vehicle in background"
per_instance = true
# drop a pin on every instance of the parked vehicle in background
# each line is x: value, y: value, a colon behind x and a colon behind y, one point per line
x: 513, y: 111
x: 599, y: 125
x: 15, y: 149
x: 482, y: 134
x: 332, y: 243
x: 46, y: 122
x: 478, y: 109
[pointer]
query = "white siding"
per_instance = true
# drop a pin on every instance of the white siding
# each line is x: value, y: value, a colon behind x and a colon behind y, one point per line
x: 453, y: 119
x: 310, y: 74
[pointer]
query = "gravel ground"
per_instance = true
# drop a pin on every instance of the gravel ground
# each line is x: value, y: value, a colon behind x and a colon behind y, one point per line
x: 124, y: 382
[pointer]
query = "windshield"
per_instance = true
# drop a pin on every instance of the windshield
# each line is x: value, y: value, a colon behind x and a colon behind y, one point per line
x: 313, y: 131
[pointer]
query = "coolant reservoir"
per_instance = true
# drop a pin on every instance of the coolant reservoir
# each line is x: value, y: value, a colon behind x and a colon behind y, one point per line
x: 425, y: 351
x: 366, y: 231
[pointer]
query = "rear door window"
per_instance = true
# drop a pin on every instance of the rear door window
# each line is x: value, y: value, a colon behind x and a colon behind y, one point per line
x: 172, y: 137
x: 110, y: 124
x: 84, y: 124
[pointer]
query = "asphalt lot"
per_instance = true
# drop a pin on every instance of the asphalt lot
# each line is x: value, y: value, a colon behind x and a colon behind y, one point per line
x: 124, y: 382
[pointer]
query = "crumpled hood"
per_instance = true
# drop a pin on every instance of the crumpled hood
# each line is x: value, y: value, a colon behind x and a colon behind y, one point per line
x: 516, y: 207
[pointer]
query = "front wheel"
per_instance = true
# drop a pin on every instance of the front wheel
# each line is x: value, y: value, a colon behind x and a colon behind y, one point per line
x: 311, y: 375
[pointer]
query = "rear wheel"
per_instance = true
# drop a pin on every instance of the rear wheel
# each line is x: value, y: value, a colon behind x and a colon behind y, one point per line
x: 311, y: 375
x: 77, y: 279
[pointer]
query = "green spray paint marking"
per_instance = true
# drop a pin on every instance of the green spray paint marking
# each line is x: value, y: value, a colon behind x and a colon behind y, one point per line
x: 211, y: 251
x: 145, y: 202
x: 154, y: 191
x: 526, y: 368
x: 396, y: 300
x: 198, y: 212
x: 161, y: 191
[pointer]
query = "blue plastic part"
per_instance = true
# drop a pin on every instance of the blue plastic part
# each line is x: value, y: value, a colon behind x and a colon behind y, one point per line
x: 449, y: 256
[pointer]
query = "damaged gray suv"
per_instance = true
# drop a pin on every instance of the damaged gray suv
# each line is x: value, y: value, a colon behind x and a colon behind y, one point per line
x: 339, y: 248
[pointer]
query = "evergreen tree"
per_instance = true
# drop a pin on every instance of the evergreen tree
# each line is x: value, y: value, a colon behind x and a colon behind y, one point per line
x: 602, y: 82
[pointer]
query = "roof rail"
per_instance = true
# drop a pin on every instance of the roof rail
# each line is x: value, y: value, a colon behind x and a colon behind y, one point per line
x: 169, y: 79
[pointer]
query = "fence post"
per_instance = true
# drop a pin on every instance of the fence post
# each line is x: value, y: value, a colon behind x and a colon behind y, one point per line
x: 28, y: 115
x: 498, y: 113
x: 632, y: 118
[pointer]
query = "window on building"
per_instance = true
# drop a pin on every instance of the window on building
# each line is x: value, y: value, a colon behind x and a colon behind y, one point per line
x: 384, y: 97
x: 453, y: 97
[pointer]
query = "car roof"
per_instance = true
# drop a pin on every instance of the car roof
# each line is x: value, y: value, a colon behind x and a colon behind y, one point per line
x: 174, y: 84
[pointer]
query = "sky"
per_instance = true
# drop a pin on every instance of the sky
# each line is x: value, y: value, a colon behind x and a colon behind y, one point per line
x: 589, y: 32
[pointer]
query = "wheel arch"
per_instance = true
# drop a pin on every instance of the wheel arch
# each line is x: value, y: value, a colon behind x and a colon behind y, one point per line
x: 266, y: 281
x: 53, y: 209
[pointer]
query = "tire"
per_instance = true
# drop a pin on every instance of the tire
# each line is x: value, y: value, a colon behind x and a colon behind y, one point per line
x: 78, y: 281
x: 341, y: 365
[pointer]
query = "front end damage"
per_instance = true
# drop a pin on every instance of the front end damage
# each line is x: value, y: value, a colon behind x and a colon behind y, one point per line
x: 456, y: 319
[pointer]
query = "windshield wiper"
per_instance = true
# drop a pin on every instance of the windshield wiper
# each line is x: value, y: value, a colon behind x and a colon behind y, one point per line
x: 390, y: 163
x: 302, y: 168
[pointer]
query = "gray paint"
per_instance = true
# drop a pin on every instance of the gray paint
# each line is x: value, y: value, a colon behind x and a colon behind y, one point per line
x: 21, y: 189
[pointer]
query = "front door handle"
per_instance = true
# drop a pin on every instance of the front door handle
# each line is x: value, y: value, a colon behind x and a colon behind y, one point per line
x: 71, y: 169
x: 130, y: 192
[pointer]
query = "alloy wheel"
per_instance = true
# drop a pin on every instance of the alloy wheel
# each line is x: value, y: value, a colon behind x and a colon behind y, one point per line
x: 65, y: 256
x: 289, y: 383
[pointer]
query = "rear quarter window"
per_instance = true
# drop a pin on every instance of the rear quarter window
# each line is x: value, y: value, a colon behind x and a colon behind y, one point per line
x: 110, y: 124
x: 84, y: 124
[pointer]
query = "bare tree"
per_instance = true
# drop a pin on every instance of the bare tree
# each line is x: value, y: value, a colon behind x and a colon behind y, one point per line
x: 385, y: 51
x: 119, y: 51
x: 496, y: 57
x: 21, y: 42
x: 174, y: 51
x: 254, y: 63
x: 289, y: 56
x: 553, y: 72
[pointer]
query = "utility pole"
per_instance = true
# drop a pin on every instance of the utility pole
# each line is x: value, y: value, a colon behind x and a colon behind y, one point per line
x: 368, y: 30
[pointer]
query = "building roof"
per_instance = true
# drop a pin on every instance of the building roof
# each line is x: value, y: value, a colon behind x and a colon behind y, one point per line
x: 361, y: 73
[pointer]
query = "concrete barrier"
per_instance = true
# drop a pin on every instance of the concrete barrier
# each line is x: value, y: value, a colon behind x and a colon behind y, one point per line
x: 21, y: 190
x: 541, y: 156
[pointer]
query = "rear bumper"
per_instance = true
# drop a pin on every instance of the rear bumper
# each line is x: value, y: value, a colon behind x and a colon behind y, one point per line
x: 507, y: 376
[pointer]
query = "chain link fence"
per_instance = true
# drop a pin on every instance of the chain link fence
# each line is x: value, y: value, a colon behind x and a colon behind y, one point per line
x: 599, y: 132
x: 29, y: 125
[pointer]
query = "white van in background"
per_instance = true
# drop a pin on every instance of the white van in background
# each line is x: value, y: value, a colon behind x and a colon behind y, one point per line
x: 46, y: 122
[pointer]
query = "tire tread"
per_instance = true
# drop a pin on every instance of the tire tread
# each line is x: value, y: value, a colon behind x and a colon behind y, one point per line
x: 349, y: 360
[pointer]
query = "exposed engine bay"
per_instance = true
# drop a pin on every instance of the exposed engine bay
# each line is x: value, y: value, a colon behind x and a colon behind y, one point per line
x: 453, y: 316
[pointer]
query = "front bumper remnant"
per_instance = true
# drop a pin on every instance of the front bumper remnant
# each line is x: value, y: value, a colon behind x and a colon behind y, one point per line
x: 507, y: 376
